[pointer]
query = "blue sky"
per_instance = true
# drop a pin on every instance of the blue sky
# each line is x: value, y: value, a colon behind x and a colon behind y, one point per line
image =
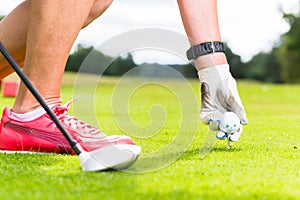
x: 248, y: 26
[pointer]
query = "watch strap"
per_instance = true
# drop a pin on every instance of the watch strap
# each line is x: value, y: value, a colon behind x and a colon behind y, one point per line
x: 204, y: 49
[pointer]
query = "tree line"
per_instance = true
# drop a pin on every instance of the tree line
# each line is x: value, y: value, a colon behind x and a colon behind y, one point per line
x: 280, y: 65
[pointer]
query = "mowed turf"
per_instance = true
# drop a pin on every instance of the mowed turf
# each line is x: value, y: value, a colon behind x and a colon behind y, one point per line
x: 264, y: 164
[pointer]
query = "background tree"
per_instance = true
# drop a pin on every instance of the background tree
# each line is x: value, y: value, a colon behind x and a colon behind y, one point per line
x: 120, y: 65
x: 95, y: 62
x: 264, y: 67
x: 289, y: 51
x: 188, y: 71
x: 237, y: 67
x: 98, y: 63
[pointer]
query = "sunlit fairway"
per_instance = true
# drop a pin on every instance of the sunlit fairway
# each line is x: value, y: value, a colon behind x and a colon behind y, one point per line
x: 264, y: 164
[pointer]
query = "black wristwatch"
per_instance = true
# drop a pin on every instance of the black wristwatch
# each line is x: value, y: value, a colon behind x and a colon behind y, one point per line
x: 204, y: 49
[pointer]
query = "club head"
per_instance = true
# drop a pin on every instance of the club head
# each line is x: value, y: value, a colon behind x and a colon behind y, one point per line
x: 109, y: 157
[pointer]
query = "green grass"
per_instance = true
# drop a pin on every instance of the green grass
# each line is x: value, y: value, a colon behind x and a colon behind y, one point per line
x: 264, y: 164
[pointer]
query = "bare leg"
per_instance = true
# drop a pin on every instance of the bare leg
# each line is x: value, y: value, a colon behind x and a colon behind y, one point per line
x: 52, y: 29
x: 47, y: 41
x: 200, y: 20
x: 14, y: 37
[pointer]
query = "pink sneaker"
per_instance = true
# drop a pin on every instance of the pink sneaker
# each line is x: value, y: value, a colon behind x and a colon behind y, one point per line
x: 42, y: 135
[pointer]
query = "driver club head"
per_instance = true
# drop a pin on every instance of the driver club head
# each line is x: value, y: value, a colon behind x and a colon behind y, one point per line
x: 110, y: 157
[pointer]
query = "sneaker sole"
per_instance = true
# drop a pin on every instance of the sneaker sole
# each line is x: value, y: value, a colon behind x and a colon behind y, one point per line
x: 110, y: 157
x: 22, y: 152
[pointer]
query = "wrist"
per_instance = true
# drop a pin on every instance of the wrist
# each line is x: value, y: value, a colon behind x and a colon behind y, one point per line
x: 214, y: 73
x: 210, y: 60
x: 205, y: 48
x: 207, y: 54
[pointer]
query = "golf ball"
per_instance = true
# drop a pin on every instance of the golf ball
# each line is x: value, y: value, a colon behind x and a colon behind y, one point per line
x: 230, y: 123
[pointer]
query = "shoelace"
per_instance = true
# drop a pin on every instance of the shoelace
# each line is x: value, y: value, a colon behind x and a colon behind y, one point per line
x: 61, y: 111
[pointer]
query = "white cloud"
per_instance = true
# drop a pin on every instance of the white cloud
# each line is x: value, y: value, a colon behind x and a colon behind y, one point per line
x: 252, y: 26
x: 7, y: 5
x: 248, y: 26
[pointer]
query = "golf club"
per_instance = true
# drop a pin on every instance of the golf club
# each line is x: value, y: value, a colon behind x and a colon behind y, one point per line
x: 112, y: 156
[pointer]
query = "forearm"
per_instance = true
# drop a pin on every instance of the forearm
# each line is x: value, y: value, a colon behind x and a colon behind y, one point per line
x: 200, y: 20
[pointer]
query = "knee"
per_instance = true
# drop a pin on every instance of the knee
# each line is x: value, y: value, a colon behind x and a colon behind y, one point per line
x: 98, y: 8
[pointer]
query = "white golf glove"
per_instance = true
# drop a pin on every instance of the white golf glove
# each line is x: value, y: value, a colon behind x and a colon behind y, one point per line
x: 219, y: 95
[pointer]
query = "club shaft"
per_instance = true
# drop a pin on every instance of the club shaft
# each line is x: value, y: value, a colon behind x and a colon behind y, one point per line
x: 39, y: 98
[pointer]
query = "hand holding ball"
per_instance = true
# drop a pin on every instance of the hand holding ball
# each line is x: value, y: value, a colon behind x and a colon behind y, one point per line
x: 228, y: 125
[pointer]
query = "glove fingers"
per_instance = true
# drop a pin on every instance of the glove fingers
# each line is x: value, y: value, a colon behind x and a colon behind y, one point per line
x: 209, y: 111
x: 210, y: 115
x: 240, y: 111
x: 235, y: 136
x: 206, y: 106
x: 233, y: 101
